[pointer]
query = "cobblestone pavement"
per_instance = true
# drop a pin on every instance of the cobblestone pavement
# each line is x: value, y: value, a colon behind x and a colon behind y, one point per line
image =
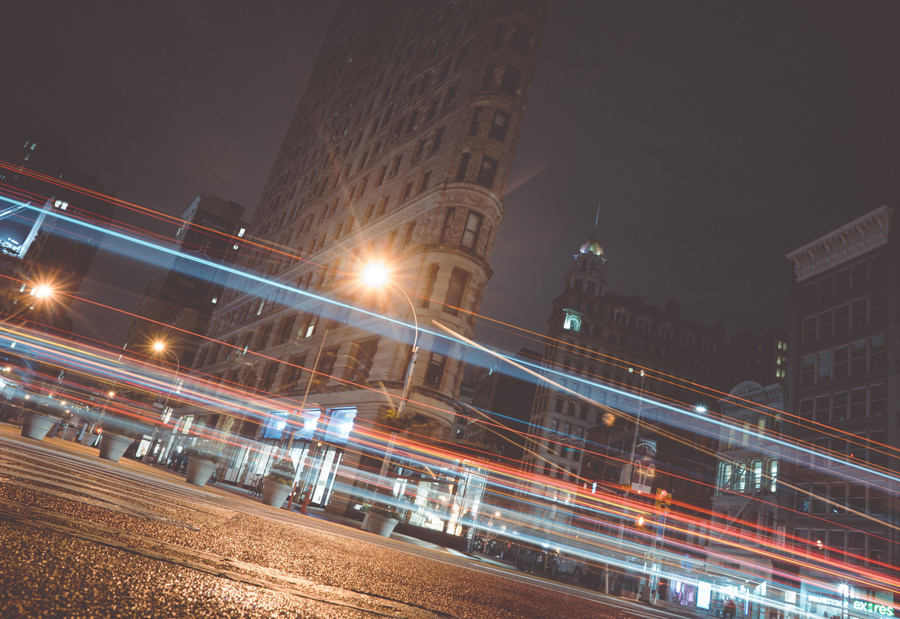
x: 83, y: 537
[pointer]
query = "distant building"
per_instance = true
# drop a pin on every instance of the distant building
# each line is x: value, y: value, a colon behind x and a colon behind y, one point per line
x: 843, y: 389
x: 52, y: 219
x: 503, y: 399
x: 746, y: 519
x: 179, y: 301
x: 400, y: 151
x: 603, y: 349
x: 757, y: 357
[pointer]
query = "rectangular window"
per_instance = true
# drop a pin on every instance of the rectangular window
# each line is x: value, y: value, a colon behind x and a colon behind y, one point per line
x: 451, y: 96
x: 841, y: 319
x: 823, y: 404
x: 859, y: 313
x: 808, y: 371
x: 876, y: 401
x: 359, y: 361
x: 473, y: 123
x: 825, y: 324
x: 325, y: 368
x: 420, y: 148
x: 499, y: 125
x: 381, y: 174
x: 426, y: 177
x: 858, y: 354
x: 841, y: 362
x: 408, y: 237
x: 876, y: 353
x: 463, y: 167
x: 434, y: 374
x: 839, y: 407
x: 294, y: 372
x: 473, y: 227
x: 448, y: 223
x: 455, y: 291
x: 287, y: 327
x: 407, y: 191
x: 429, y: 285
x: 823, y: 374
x: 395, y: 165
x: 858, y: 403
x: 436, y: 143
x: 412, y: 121
x: 511, y: 79
x: 486, y: 172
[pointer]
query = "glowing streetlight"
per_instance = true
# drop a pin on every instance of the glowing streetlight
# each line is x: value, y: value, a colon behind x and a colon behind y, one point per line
x: 377, y: 275
x: 42, y: 291
x: 160, y: 347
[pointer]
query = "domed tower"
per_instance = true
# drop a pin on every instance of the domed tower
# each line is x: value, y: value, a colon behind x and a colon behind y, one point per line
x: 573, y: 326
x: 584, y: 284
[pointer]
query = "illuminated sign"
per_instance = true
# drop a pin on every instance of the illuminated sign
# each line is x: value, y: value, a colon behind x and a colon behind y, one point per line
x: 872, y: 607
x: 858, y: 605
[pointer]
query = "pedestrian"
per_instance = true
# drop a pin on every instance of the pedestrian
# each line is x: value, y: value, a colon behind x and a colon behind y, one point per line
x: 730, y: 609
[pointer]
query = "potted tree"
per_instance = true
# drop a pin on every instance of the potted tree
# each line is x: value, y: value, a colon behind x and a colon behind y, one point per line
x: 112, y: 446
x: 278, y: 483
x: 40, y: 417
x: 381, y: 520
x: 202, y: 463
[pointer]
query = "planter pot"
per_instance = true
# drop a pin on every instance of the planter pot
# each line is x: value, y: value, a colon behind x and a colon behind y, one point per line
x: 274, y: 494
x: 88, y: 438
x: 199, y: 471
x: 112, y: 446
x: 37, y: 426
x: 381, y: 525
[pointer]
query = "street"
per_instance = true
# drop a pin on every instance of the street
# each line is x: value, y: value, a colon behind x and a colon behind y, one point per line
x: 86, y: 537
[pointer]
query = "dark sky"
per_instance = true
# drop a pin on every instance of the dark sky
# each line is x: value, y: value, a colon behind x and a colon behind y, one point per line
x: 715, y: 136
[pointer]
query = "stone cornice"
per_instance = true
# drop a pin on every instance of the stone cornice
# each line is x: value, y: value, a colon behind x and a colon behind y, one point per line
x: 842, y: 245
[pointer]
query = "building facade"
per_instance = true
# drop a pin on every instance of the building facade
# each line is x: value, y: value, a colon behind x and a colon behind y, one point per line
x: 615, y: 347
x: 400, y: 152
x: 844, y: 392
x: 746, y: 520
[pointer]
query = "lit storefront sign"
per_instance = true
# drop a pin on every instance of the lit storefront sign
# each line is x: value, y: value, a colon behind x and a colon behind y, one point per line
x: 866, y: 606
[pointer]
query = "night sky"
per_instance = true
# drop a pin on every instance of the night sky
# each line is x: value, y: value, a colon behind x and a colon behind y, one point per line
x: 716, y: 137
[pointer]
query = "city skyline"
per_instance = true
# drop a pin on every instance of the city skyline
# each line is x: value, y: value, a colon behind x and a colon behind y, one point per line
x: 710, y: 158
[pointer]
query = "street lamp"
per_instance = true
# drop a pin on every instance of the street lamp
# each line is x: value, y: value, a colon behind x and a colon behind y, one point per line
x: 160, y: 347
x: 377, y: 276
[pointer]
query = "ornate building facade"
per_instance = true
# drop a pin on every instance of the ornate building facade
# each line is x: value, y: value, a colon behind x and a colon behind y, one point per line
x: 400, y: 152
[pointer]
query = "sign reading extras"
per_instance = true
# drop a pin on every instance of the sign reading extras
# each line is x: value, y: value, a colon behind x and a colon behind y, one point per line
x: 861, y: 605
x: 872, y: 607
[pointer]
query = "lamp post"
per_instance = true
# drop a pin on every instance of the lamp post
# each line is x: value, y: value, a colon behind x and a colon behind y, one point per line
x: 377, y: 275
x: 160, y: 347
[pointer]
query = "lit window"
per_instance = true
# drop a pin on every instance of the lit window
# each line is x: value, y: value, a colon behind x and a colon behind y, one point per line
x: 572, y: 322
